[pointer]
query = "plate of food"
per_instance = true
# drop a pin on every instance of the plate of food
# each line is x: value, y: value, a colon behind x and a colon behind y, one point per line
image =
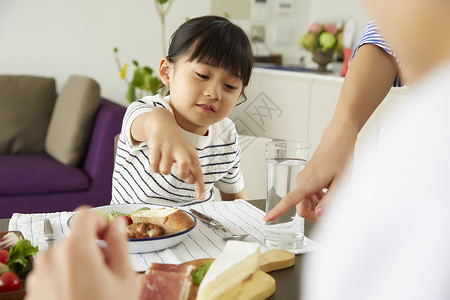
x: 151, y: 227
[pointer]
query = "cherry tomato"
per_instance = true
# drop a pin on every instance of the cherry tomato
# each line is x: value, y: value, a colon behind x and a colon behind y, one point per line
x: 9, y: 282
x: 128, y: 219
x: 3, y: 256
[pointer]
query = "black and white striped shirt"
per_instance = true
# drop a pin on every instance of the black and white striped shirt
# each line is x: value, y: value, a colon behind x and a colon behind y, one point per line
x: 134, y: 182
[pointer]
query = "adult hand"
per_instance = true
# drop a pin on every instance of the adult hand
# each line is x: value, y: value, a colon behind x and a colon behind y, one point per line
x: 317, y: 182
x: 78, y: 268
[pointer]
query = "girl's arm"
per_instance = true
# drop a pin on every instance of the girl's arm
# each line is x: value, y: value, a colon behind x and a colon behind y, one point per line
x: 168, y: 147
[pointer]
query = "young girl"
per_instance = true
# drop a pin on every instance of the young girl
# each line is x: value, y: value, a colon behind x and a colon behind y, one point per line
x: 169, y: 143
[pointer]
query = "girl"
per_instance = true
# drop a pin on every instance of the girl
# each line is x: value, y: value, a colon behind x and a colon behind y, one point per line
x: 169, y: 143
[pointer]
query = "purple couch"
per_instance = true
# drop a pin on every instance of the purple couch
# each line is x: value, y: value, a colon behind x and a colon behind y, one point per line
x: 38, y: 183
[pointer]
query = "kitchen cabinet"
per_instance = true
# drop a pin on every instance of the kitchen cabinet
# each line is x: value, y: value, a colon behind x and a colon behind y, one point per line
x: 287, y: 105
x: 299, y: 105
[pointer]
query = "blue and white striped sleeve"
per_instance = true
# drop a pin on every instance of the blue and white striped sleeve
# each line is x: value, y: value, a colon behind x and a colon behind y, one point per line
x: 372, y: 36
x: 139, y: 107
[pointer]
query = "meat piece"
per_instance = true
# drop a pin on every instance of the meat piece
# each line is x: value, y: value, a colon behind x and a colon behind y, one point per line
x: 183, y: 268
x: 171, y: 219
x: 167, y: 282
x: 144, y: 230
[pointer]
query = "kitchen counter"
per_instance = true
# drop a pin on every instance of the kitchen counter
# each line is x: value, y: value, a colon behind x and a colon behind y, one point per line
x: 302, y: 71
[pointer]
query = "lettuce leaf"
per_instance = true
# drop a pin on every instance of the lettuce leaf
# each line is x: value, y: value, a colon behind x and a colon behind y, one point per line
x: 200, y: 272
x: 18, y: 261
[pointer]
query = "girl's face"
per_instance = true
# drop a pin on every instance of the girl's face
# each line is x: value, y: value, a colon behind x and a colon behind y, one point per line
x: 200, y: 94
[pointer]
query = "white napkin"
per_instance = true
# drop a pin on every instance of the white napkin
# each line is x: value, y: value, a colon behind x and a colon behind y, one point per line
x: 238, y: 216
x: 32, y: 226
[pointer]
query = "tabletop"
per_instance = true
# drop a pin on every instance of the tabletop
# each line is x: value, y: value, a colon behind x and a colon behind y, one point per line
x: 288, y: 285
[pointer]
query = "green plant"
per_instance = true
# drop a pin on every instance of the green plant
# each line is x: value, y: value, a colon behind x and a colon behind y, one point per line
x: 144, y: 82
x: 162, y: 8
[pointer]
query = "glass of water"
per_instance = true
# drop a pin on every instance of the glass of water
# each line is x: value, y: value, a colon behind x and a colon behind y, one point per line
x: 285, y: 159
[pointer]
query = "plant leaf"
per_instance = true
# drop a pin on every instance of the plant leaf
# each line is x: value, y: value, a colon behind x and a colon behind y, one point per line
x: 138, y: 78
x: 123, y: 71
x: 131, y: 93
x: 148, y: 70
x: 155, y: 84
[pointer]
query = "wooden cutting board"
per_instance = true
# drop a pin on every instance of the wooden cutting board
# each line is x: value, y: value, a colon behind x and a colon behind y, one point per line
x: 276, y: 259
x: 259, y: 285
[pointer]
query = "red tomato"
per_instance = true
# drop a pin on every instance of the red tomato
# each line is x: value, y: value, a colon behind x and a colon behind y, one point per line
x: 9, y: 282
x: 128, y: 219
x: 3, y: 256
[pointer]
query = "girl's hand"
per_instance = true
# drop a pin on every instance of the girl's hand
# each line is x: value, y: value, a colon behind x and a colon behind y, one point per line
x: 168, y: 147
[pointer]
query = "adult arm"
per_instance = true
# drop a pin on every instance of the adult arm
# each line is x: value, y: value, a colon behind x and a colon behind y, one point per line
x: 367, y: 82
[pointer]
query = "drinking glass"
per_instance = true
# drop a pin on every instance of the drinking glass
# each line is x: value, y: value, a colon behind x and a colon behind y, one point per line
x: 285, y: 159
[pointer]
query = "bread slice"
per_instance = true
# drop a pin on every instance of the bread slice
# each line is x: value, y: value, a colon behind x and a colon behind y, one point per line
x: 171, y: 220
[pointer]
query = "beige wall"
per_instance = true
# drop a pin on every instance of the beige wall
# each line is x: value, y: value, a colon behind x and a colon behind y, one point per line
x: 237, y: 9
x: 62, y: 37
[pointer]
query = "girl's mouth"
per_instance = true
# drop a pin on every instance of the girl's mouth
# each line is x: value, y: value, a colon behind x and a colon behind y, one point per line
x: 208, y: 108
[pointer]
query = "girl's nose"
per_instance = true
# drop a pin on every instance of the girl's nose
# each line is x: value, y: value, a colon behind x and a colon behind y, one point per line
x: 213, y: 90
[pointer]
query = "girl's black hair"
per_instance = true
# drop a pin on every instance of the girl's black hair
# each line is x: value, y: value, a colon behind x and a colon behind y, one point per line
x: 215, y: 41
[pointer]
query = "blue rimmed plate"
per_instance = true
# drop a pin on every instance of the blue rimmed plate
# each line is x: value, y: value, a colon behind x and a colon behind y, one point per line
x: 148, y: 244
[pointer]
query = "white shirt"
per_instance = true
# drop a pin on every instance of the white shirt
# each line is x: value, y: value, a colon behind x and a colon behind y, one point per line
x: 389, y: 231
x: 134, y: 182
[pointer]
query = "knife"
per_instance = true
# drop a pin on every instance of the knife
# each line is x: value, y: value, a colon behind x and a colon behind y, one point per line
x: 48, y: 233
x: 223, y: 232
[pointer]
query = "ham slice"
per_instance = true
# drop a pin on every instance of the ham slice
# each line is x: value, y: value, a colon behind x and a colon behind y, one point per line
x: 167, y: 282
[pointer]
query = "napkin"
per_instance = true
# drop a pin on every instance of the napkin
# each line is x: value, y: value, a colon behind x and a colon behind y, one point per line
x: 238, y: 216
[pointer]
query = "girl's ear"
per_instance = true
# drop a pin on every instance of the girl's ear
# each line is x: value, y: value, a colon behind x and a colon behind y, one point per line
x: 165, y: 67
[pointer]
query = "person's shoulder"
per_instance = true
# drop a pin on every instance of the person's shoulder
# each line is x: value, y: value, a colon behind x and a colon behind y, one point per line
x: 155, y: 98
x: 153, y: 101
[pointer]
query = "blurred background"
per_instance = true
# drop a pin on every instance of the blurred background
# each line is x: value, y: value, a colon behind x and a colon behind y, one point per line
x: 58, y: 38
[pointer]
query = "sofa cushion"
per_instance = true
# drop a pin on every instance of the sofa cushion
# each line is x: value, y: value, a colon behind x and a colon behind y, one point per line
x: 30, y: 174
x: 26, y: 105
x: 71, y: 123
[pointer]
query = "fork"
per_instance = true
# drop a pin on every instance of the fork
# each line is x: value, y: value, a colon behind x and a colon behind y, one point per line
x: 226, y: 234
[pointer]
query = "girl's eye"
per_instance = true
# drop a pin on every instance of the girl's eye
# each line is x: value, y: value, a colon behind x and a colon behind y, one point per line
x: 201, y: 75
x: 230, y: 87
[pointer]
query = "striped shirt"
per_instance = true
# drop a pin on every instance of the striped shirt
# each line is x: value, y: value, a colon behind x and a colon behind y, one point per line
x: 372, y: 36
x: 134, y: 182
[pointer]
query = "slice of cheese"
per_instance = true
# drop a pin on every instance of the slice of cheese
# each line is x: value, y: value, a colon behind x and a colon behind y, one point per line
x: 237, y: 261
